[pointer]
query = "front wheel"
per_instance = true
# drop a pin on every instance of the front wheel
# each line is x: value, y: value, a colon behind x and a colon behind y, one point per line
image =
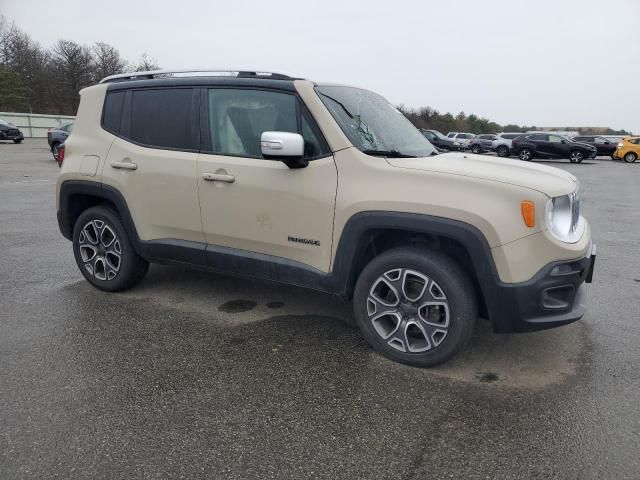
x: 630, y: 157
x: 104, y: 253
x: 18, y: 140
x: 476, y: 149
x: 525, y: 154
x: 415, y: 306
x: 55, y: 150
x: 576, y: 156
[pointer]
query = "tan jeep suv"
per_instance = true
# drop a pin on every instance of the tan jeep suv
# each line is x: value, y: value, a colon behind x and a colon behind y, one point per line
x: 321, y: 186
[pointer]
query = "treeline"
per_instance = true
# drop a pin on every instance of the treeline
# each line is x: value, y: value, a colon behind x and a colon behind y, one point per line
x: 430, y: 119
x: 47, y: 80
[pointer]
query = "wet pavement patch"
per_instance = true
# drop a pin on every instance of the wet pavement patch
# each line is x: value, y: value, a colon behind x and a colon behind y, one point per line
x: 275, y: 304
x: 237, y: 306
x: 487, y: 377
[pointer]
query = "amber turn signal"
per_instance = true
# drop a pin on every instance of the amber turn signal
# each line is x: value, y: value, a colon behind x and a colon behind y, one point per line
x: 528, y: 209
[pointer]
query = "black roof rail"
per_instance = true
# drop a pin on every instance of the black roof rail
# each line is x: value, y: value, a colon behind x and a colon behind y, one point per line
x: 151, y: 74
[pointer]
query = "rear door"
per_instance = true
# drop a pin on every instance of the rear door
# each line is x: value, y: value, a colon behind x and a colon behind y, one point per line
x: 153, y: 160
x: 540, y: 143
x: 263, y: 206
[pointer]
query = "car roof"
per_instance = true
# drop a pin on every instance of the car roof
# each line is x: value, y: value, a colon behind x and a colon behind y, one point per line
x: 284, y: 84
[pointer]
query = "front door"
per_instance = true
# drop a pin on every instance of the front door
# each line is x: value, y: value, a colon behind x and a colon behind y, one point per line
x: 256, y: 205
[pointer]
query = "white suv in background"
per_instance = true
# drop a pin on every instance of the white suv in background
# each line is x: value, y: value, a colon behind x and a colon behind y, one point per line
x: 460, y: 139
x: 502, y: 144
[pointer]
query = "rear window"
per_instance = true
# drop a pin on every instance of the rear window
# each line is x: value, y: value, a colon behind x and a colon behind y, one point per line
x: 112, y: 113
x: 464, y: 135
x: 163, y: 118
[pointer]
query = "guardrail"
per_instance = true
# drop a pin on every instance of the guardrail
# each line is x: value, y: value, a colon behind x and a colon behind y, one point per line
x: 34, y: 125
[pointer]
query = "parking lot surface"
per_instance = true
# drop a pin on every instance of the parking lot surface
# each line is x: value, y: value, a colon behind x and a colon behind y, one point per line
x: 192, y: 374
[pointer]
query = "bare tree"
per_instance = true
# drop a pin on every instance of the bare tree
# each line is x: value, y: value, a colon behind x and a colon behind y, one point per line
x: 146, y: 63
x: 106, y: 61
x: 72, y: 70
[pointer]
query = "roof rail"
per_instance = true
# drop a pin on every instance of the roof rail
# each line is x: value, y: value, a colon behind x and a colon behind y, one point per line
x: 121, y: 77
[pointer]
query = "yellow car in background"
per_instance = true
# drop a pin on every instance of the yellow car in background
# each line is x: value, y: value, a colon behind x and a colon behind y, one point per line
x: 628, y: 149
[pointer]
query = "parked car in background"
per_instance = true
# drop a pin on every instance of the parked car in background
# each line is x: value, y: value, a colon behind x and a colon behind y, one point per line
x: 57, y: 136
x: 438, y: 140
x: 628, y: 149
x: 460, y: 140
x: 502, y: 144
x: 603, y: 145
x: 481, y: 143
x: 546, y: 145
x: 8, y: 131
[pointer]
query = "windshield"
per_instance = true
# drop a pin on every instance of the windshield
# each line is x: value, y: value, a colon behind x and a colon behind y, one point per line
x: 2, y: 122
x: 372, y: 124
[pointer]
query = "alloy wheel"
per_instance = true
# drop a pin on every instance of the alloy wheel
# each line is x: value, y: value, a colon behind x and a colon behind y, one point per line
x: 408, y: 310
x: 575, y: 157
x: 525, y: 154
x: 630, y: 157
x: 100, y: 250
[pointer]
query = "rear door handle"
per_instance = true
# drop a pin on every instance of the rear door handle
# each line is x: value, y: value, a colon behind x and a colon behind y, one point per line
x: 218, y: 177
x: 124, y: 165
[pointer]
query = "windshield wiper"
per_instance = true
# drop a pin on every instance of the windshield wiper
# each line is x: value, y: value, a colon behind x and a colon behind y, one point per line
x: 388, y: 153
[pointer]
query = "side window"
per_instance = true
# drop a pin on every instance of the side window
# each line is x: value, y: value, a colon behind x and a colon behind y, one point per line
x: 555, y: 139
x: 600, y: 140
x: 238, y: 117
x: 163, y: 118
x: 112, y: 111
x: 539, y: 137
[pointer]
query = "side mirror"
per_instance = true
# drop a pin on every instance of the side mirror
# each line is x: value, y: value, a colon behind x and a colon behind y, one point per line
x: 607, y: 142
x: 285, y: 146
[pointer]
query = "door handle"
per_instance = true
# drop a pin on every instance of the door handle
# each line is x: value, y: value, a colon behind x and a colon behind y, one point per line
x: 218, y: 177
x: 124, y: 165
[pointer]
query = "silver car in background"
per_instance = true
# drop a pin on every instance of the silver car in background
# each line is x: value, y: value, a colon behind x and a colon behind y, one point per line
x: 502, y: 144
x: 460, y: 140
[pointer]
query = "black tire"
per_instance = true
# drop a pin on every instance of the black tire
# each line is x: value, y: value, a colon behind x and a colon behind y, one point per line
x: 54, y: 151
x: 476, y: 149
x: 576, y: 156
x: 18, y: 141
x: 131, y: 267
x: 503, y: 151
x: 630, y: 157
x: 525, y: 154
x: 449, y: 279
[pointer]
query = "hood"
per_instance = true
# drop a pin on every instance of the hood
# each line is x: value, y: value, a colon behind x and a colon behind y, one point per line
x: 551, y: 181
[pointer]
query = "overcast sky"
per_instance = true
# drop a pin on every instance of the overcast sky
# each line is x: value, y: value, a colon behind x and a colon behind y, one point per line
x: 543, y: 63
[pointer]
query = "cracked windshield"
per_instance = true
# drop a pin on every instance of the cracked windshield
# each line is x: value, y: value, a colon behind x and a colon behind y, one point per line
x: 372, y: 124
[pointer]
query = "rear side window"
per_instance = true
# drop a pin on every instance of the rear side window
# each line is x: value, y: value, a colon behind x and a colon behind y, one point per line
x: 511, y: 136
x: 163, y: 118
x: 539, y: 137
x: 112, y: 113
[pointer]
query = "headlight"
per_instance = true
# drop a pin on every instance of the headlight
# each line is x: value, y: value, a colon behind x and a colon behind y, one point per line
x: 563, y: 217
x: 620, y: 144
x: 456, y: 143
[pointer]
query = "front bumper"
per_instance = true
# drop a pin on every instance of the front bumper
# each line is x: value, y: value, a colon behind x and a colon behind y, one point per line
x: 555, y: 296
x: 11, y: 136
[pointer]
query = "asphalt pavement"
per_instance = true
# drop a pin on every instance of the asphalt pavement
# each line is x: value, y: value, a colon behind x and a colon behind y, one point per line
x: 196, y: 375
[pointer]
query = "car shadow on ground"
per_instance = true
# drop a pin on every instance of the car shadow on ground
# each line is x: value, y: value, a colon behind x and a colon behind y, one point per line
x: 533, y: 360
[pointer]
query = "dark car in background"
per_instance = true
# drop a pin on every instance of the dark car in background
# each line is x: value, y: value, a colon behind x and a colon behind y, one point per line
x: 547, y: 145
x: 604, y: 146
x: 481, y: 143
x: 57, y: 136
x: 10, y: 132
x: 438, y: 140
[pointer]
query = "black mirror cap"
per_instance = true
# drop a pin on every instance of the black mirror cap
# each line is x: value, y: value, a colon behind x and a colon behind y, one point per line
x: 291, y: 162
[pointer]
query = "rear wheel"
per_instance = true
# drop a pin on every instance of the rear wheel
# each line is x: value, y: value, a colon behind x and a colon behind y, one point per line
x: 630, y: 157
x: 104, y: 252
x: 476, y: 149
x: 576, y: 156
x: 525, y: 154
x: 415, y: 306
x: 503, y: 151
x: 55, y: 149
